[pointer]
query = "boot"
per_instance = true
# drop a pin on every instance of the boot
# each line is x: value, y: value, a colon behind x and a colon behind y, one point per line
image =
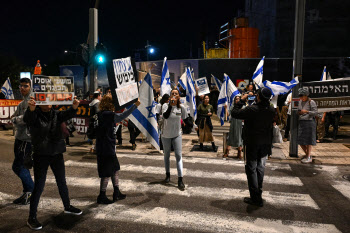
x: 227, y: 151
x: 102, y: 199
x: 201, y: 146
x: 214, y: 147
x: 117, y: 195
x: 180, y: 184
x: 167, y: 178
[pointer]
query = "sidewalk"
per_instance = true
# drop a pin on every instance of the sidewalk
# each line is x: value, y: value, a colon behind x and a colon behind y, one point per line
x: 323, y: 153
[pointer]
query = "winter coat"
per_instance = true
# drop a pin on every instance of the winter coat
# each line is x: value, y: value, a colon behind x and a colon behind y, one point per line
x: 22, y: 132
x: 45, y: 130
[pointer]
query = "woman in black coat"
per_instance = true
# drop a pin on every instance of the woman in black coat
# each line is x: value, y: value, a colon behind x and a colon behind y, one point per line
x: 107, y: 161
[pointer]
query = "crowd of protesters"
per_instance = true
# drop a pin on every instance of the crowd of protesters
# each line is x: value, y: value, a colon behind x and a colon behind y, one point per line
x: 42, y: 134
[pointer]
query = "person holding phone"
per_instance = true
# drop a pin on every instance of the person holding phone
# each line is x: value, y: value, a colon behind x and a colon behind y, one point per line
x: 173, y: 112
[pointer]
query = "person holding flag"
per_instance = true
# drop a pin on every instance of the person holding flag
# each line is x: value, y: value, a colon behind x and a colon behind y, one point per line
x: 165, y: 85
x: 107, y: 161
x: 173, y: 112
x: 257, y: 137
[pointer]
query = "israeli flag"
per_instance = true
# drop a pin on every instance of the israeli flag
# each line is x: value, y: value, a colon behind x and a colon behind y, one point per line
x: 324, y: 74
x: 227, y: 94
x: 183, y: 80
x: 216, y: 82
x: 144, y: 117
x: 191, y: 95
x: 258, y: 74
x: 280, y: 88
x: 165, y: 86
x: 6, y: 89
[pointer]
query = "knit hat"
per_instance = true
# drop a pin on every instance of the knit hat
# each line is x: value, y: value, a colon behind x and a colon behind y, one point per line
x: 264, y: 93
x: 303, y: 92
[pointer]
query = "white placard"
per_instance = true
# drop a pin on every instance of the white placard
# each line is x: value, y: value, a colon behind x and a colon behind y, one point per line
x: 127, y: 93
x: 202, y: 85
x: 124, y: 74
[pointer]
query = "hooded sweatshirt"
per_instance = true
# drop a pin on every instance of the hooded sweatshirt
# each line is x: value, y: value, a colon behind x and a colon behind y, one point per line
x: 94, y: 107
x: 22, y: 132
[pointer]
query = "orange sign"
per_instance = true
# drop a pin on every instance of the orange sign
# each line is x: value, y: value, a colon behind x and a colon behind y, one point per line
x: 8, y: 103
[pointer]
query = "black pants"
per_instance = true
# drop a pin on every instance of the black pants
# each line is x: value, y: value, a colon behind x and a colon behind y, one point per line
x: 41, y: 164
x: 255, y: 169
x: 134, y: 132
x: 334, y: 121
x: 119, y: 134
x: 286, y: 133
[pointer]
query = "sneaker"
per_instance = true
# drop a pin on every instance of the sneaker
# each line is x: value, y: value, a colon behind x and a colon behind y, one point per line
x: 133, y: 147
x: 24, y: 199
x: 34, y: 224
x: 72, y: 210
x: 307, y: 160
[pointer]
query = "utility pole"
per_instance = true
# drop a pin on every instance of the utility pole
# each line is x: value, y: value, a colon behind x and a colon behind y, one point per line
x: 93, y: 39
x: 297, y: 71
x: 147, y: 49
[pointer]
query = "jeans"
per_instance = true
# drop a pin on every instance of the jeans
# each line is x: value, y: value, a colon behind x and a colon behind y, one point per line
x: 41, y: 164
x: 177, y: 144
x: 21, y: 149
x: 255, y: 168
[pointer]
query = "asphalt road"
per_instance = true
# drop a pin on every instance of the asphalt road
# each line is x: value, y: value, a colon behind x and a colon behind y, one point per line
x: 298, y: 198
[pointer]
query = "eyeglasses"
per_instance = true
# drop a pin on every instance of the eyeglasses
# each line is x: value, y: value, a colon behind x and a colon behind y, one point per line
x: 23, y: 86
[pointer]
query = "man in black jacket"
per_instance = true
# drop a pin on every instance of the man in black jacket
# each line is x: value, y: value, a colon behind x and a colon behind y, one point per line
x: 258, y: 123
x: 48, y: 147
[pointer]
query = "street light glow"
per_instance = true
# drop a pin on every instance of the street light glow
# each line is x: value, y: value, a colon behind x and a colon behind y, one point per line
x: 151, y: 50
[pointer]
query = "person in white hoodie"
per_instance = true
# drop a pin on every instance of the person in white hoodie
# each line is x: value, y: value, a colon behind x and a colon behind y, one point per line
x: 95, y: 103
x: 23, y: 146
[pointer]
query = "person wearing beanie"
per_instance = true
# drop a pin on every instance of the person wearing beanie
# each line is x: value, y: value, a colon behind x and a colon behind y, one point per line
x: 257, y: 139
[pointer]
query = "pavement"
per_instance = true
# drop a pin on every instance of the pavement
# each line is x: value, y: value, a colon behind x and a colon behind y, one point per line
x: 298, y: 197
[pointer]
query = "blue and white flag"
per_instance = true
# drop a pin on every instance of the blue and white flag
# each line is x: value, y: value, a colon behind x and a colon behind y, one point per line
x: 216, y: 82
x: 227, y: 94
x: 258, y: 74
x: 324, y: 74
x: 280, y: 88
x: 165, y: 86
x: 144, y: 117
x: 191, y: 95
x: 183, y: 80
x: 6, y: 89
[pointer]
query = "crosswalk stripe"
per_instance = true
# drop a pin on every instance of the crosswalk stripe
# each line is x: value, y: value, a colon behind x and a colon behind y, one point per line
x: 203, y: 161
x: 196, y: 173
x: 206, y: 222
x: 44, y: 203
x: 180, y: 219
x: 272, y: 198
x: 343, y: 187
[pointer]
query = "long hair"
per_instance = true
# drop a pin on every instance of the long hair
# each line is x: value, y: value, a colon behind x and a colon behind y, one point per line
x: 106, y: 103
x: 178, y: 101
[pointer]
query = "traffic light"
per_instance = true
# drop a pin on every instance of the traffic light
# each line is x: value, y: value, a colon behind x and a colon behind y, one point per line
x: 100, y: 54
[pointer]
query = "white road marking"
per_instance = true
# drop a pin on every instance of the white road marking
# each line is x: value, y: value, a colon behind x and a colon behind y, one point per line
x: 282, y: 180
x: 206, y: 222
x: 272, y: 198
x: 343, y: 187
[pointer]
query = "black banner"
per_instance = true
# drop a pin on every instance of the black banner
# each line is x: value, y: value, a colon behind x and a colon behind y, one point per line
x: 331, y: 88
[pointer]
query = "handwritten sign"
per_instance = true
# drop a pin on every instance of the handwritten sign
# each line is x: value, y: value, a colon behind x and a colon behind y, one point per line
x: 127, y: 93
x: 53, y: 90
x: 202, y: 85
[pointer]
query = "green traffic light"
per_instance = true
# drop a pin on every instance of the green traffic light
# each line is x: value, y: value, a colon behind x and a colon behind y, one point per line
x: 100, y: 58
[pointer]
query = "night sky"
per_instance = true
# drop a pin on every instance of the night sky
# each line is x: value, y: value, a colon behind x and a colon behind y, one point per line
x: 32, y: 30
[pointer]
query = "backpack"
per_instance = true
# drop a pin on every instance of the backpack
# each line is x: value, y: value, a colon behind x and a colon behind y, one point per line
x: 93, y: 124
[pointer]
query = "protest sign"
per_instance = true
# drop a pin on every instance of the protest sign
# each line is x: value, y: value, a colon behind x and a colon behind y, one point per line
x: 242, y: 83
x: 122, y: 77
x: 202, y: 85
x: 53, y: 90
x: 330, y: 95
x: 7, y: 109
